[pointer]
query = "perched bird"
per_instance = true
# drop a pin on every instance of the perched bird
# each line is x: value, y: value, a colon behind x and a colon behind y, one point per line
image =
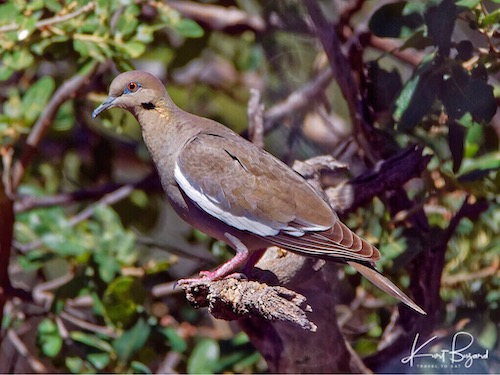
x: 234, y: 191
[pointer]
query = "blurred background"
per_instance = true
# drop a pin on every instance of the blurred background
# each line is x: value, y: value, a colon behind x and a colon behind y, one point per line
x: 89, y: 247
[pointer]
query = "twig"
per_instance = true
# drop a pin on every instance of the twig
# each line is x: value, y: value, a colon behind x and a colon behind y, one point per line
x: 298, y: 100
x: 39, y: 291
x: 103, y: 330
x: 343, y: 75
x: 25, y: 203
x: 357, y: 359
x: 385, y: 45
x: 7, y: 154
x: 6, y: 236
x: 165, y: 289
x: 63, y: 331
x: 348, y: 195
x: 255, y: 118
x: 169, y: 363
x: 67, y: 90
x: 351, y: 9
x: 52, y: 20
x: 218, y: 17
x: 466, y: 276
x: 106, y: 200
x: 35, y: 364
x: 81, y: 301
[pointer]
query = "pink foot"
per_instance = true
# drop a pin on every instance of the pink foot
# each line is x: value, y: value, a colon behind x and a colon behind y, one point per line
x: 242, y: 257
x: 210, y: 276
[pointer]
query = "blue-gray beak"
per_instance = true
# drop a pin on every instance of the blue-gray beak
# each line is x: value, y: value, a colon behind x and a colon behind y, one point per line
x: 108, y: 103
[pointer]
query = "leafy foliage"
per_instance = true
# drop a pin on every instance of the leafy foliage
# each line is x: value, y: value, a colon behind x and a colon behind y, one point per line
x: 94, y: 268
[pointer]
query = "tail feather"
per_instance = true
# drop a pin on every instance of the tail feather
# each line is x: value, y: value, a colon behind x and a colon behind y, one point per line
x: 386, y: 285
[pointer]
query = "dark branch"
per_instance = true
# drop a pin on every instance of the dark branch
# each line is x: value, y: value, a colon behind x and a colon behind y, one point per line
x: 387, y: 175
x: 341, y: 69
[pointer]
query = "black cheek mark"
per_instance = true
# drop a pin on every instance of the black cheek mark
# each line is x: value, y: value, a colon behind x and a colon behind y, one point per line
x: 148, y: 105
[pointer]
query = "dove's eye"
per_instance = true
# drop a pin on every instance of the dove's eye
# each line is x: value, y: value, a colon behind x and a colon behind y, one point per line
x: 132, y: 87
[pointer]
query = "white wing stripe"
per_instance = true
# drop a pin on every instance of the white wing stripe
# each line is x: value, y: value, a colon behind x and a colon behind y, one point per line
x: 207, y: 204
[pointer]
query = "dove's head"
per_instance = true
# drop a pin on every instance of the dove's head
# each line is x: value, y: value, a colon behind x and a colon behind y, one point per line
x: 135, y: 91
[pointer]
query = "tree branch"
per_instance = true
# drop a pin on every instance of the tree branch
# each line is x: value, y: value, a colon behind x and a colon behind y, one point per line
x: 256, y: 118
x: 341, y: 69
x: 231, y: 299
x: 6, y: 236
x: 218, y: 17
x: 52, y: 20
x: 426, y: 275
x: 34, y: 363
x: 298, y: 100
x: 67, y: 90
x: 387, y: 175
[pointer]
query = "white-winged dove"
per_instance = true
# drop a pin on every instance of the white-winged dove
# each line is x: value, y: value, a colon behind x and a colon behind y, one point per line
x: 227, y: 187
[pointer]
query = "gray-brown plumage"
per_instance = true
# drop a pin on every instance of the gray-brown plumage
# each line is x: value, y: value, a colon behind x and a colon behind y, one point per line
x: 234, y: 191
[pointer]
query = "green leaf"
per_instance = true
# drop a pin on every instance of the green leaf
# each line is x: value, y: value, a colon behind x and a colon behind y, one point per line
x: 468, y: 3
x: 64, y: 244
x: 49, y: 339
x: 74, y: 364
x: 65, y: 118
x: 177, y: 343
x: 489, y: 161
x: 134, y: 49
x: 99, y: 360
x: 132, y: 340
x: 92, y: 341
x: 36, y: 97
x: 474, y: 139
x: 204, y: 358
x: 140, y: 368
x: 188, y: 28
x: 5, y: 73
x: 477, y: 168
x: 53, y: 5
x: 145, y: 32
x: 18, y: 60
x: 491, y: 19
x: 8, y: 12
x: 489, y: 336
x: 391, y: 21
x: 108, y: 265
x: 34, y: 259
x: 128, y: 21
x: 122, y: 299
x: 90, y: 49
